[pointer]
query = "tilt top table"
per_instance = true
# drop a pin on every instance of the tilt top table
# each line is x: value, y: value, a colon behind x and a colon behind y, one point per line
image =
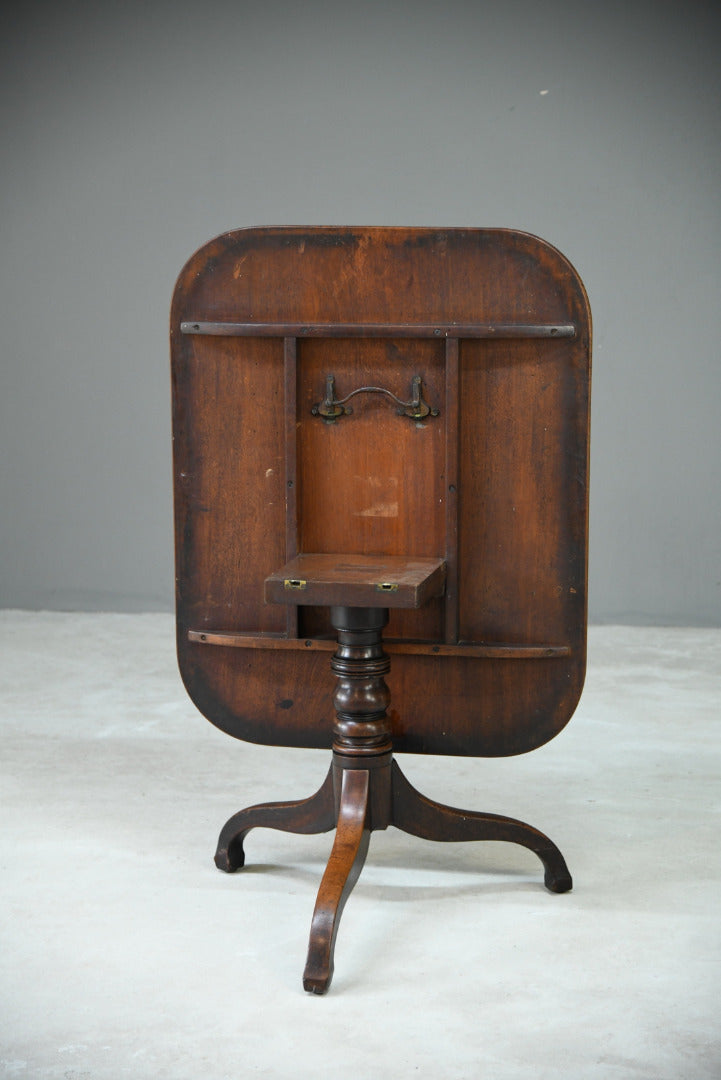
x: 381, y: 458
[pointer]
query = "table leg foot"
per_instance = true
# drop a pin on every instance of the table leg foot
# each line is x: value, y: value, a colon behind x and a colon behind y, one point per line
x: 313, y: 815
x: 415, y: 814
x: 343, y: 869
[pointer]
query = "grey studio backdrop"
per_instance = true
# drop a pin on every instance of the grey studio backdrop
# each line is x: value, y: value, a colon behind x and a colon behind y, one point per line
x: 132, y: 133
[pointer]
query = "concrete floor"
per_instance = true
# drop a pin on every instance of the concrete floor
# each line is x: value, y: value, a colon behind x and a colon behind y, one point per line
x: 126, y: 953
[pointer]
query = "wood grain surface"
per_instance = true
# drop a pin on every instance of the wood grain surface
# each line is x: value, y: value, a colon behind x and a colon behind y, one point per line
x: 495, y: 485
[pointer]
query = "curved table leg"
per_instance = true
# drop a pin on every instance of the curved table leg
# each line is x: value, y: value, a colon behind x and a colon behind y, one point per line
x: 343, y: 869
x: 313, y: 815
x: 420, y: 816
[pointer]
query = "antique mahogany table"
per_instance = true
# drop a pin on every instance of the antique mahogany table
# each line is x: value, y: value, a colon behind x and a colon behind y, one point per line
x: 381, y: 457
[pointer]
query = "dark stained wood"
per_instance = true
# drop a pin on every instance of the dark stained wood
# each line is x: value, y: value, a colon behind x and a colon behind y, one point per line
x: 305, y: 816
x: 290, y: 378
x: 344, y: 866
x: 457, y: 523
x: 376, y: 307
x: 415, y: 814
x: 372, y: 798
x: 498, y: 650
x: 356, y: 581
x: 451, y: 475
x: 371, y: 793
x: 366, y: 330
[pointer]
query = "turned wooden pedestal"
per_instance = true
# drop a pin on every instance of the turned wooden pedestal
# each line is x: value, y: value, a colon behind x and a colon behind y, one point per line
x: 365, y: 789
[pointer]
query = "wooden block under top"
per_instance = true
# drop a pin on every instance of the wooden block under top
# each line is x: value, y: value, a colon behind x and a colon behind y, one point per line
x: 356, y: 581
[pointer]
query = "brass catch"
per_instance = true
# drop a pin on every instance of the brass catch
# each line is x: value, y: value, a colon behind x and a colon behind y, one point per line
x: 294, y: 583
x: 331, y: 407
